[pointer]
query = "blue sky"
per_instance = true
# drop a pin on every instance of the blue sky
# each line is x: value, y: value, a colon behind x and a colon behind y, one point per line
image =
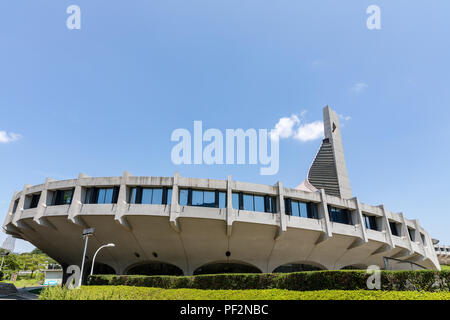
x: 106, y: 98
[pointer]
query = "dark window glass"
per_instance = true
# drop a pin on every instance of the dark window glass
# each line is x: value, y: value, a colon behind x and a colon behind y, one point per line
x: 370, y: 222
x: 157, y: 196
x: 146, y: 196
x: 197, y: 198
x: 422, y: 236
x: 259, y: 203
x: 235, y: 200
x: 169, y: 196
x: 222, y: 200
x: 339, y: 215
x: 209, y: 199
x: 294, y: 209
x: 101, y: 195
x: 312, y: 210
x: 184, y: 197
x: 132, y: 196
x: 34, y: 200
x: 61, y: 197
x: 411, y: 234
x: 303, y: 209
x: 394, y: 229
x: 248, y: 202
x: 16, y: 203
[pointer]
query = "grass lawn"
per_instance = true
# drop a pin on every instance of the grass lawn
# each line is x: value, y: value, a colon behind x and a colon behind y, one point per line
x: 143, y: 293
x: 24, y: 283
x: 445, y: 267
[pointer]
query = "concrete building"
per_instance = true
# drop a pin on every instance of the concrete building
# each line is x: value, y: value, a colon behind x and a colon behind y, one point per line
x: 181, y: 225
x: 443, y: 254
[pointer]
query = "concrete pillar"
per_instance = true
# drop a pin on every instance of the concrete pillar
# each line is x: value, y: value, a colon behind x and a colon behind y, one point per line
x: 420, y: 241
x: 360, y: 218
x: 9, y: 215
x: 121, y: 206
x: 76, y: 204
x: 175, y: 206
x: 20, y: 206
x: 42, y: 206
x: 324, y: 217
x: 386, y: 227
x: 281, y: 211
x: 406, y: 233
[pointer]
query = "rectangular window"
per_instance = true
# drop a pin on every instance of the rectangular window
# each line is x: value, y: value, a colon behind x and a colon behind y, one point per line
x: 295, y: 209
x: 235, y: 199
x: 146, y: 195
x: 370, y: 222
x: 340, y: 215
x: 422, y: 236
x: 259, y: 204
x: 140, y: 195
x: 62, y: 197
x: 157, y: 196
x: 34, y: 200
x: 250, y: 202
x: 169, y: 196
x: 16, y: 203
x: 222, y: 200
x: 394, y: 228
x: 103, y: 195
x: 411, y: 233
x: 184, y: 197
x: 203, y: 198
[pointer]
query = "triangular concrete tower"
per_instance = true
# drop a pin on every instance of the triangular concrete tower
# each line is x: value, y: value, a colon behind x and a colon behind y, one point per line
x: 328, y: 170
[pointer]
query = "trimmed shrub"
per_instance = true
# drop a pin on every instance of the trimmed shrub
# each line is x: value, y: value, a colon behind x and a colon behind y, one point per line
x: 142, y: 293
x: 423, y: 280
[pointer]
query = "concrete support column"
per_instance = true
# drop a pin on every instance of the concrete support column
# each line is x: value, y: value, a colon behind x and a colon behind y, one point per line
x: 122, y: 204
x: 420, y: 241
x: 230, y: 211
x: 9, y: 216
x: 42, y: 206
x: 360, y: 218
x: 76, y: 204
x: 406, y: 233
x: 324, y: 217
x: 175, y: 205
x: 20, y: 206
x: 386, y: 227
x: 281, y: 211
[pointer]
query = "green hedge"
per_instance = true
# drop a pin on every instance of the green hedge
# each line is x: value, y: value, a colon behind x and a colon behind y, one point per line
x: 424, y: 280
x: 140, y: 293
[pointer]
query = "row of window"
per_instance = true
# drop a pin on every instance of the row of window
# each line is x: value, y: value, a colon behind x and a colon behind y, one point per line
x: 252, y: 202
x: 203, y: 198
x: 144, y: 195
x: 212, y: 199
x: 300, y: 209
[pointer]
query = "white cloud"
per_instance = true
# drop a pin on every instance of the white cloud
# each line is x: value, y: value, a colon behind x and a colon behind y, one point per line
x: 284, y: 128
x: 297, y: 128
x: 6, y: 137
x: 359, y: 87
x: 310, y: 131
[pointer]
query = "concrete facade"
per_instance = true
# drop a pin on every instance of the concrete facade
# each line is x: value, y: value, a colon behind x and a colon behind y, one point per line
x: 190, y: 237
x: 443, y: 254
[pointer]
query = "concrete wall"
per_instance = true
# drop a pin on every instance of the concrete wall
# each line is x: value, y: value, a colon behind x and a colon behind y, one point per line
x: 190, y: 237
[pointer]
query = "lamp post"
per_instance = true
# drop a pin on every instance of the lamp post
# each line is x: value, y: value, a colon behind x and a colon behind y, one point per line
x: 86, y: 234
x: 93, y: 260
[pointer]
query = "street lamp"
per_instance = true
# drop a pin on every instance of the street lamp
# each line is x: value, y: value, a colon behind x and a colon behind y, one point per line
x: 86, y: 234
x: 93, y: 260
